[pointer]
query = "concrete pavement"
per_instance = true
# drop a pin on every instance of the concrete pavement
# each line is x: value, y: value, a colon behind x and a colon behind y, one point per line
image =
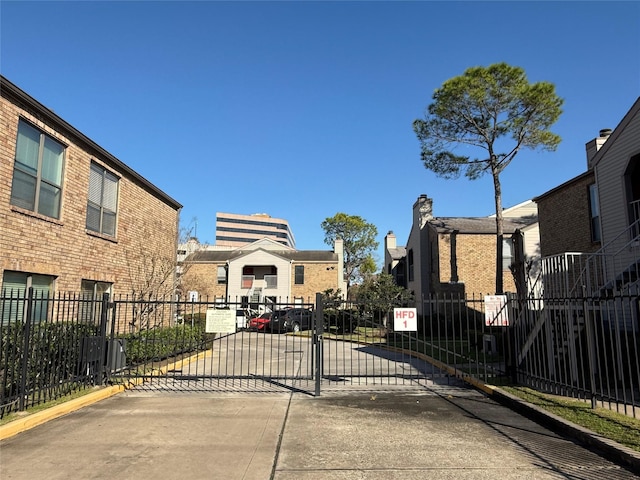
x: 439, y: 432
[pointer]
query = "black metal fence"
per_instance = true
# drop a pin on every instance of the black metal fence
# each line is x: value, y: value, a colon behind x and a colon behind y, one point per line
x: 49, y: 347
x: 584, y: 347
x: 588, y: 348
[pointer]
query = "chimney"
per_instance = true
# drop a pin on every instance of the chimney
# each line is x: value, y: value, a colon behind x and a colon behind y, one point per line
x: 595, y: 145
x: 422, y: 210
x: 390, y: 241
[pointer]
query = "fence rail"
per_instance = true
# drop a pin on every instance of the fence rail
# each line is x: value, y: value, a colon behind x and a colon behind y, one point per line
x: 586, y: 347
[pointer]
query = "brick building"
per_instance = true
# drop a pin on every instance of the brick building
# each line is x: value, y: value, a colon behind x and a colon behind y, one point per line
x: 590, y: 225
x: 456, y: 255
x: 264, y: 271
x: 72, y: 216
x: 565, y: 220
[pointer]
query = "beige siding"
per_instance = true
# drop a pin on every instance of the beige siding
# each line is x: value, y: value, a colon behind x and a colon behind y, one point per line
x: 610, y: 174
x: 259, y: 258
x: 413, y: 244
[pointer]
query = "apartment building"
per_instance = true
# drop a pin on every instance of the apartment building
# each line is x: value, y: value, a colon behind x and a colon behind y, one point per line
x: 73, y: 217
x: 590, y: 225
x: 235, y: 230
x: 456, y: 255
x: 265, y: 271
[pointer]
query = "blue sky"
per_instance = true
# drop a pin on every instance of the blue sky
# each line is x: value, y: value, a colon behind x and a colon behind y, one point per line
x: 304, y: 109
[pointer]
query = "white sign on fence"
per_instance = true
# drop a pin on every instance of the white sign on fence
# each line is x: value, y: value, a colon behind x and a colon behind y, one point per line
x: 405, y: 320
x: 496, y: 313
x: 220, y: 321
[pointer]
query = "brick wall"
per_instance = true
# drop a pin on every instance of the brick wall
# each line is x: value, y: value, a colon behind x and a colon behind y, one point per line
x: 203, y: 278
x: 565, y: 220
x: 146, y: 233
x: 475, y: 262
x: 318, y: 277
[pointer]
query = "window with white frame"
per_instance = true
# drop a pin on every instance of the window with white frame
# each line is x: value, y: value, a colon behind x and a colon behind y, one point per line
x: 37, y: 173
x: 103, y: 201
x: 299, y: 275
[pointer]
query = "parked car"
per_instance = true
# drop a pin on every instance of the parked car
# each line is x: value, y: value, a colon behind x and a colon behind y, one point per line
x: 260, y: 323
x: 291, y: 320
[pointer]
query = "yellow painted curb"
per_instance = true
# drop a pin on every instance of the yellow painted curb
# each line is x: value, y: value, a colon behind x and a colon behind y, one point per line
x: 35, y: 419
x: 465, y: 377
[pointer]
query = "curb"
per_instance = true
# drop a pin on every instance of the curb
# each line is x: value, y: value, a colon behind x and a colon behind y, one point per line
x: 33, y: 420
x: 608, y: 448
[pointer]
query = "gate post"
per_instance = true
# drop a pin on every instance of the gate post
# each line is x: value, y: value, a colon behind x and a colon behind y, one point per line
x: 317, y: 341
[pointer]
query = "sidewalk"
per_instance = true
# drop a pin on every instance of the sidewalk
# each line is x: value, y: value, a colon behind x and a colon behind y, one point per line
x: 446, y: 432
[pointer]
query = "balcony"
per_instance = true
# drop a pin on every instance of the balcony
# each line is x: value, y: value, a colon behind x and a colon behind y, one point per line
x: 267, y: 282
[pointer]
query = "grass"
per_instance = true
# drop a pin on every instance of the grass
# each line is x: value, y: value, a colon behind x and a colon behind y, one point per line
x: 615, y: 426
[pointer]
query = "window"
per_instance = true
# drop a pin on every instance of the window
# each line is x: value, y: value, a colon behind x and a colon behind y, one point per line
x: 103, y: 201
x: 507, y: 253
x: 410, y: 261
x: 91, y: 293
x: 222, y: 274
x: 15, y: 286
x: 37, y: 174
x: 299, y: 275
x: 594, y: 212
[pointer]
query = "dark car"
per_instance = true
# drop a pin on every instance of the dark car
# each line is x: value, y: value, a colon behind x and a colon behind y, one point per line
x: 291, y: 320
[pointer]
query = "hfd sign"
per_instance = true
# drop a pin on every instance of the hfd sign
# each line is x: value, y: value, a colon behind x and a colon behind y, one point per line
x: 405, y: 320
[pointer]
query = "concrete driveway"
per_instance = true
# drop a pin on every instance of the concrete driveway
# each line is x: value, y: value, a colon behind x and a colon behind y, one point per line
x: 441, y: 432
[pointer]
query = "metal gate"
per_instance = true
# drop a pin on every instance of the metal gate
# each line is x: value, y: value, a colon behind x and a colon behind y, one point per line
x: 334, y: 350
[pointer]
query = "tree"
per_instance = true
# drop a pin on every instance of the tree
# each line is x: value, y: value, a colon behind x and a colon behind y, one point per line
x: 157, y: 275
x: 380, y: 294
x: 359, y: 240
x: 494, y: 111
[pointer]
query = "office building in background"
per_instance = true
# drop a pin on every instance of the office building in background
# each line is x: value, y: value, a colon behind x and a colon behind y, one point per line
x: 235, y: 230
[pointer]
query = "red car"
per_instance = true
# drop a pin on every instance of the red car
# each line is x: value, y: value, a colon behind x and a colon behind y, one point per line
x: 261, y: 323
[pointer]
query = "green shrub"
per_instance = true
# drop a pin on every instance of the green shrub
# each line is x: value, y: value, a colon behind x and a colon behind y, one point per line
x: 161, y: 343
x: 53, y: 357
